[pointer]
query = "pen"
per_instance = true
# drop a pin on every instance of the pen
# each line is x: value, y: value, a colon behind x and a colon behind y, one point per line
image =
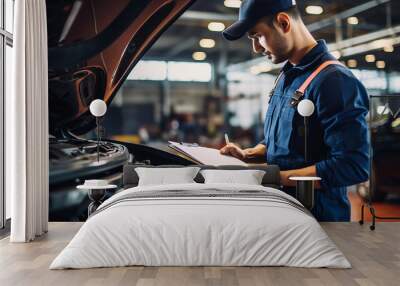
x: 226, y: 139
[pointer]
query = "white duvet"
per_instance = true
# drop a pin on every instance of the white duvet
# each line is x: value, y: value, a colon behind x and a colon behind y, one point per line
x: 203, y: 231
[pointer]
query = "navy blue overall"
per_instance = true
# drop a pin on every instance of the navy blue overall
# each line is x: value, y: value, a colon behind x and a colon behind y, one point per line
x: 338, y: 133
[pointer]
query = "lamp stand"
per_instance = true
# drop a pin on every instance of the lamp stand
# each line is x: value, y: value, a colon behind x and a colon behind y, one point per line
x: 96, y: 197
x: 305, y: 187
x: 98, y: 139
x: 305, y: 193
x: 306, y: 139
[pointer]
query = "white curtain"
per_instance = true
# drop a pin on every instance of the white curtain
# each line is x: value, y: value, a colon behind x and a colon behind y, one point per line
x: 27, y: 124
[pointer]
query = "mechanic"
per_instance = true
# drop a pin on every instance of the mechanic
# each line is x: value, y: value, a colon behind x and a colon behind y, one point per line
x: 338, y: 132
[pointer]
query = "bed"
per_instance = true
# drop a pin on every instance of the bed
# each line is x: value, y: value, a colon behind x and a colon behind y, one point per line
x: 201, y: 224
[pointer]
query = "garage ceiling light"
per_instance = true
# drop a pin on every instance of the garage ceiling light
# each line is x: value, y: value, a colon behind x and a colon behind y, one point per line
x: 199, y: 56
x: 352, y: 63
x: 380, y: 64
x: 232, y: 3
x: 352, y: 20
x: 216, y: 26
x: 388, y: 48
x: 370, y: 58
x: 207, y: 43
x: 314, y: 10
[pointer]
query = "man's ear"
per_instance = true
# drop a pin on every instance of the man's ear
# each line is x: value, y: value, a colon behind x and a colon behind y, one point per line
x: 283, y: 22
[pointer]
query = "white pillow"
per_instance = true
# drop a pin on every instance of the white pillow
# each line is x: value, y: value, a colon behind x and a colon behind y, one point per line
x: 164, y: 176
x: 248, y: 177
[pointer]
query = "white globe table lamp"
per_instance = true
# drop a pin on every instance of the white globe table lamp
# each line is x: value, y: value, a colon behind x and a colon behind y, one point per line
x: 305, y: 185
x: 306, y: 109
x: 98, y: 108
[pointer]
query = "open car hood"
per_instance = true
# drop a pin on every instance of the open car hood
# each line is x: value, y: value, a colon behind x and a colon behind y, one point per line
x: 93, y: 46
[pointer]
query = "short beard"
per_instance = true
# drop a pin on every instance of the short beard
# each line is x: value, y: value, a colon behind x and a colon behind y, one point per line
x: 282, y: 54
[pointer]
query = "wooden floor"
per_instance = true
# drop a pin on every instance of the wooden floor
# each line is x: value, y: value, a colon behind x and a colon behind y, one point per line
x: 375, y: 257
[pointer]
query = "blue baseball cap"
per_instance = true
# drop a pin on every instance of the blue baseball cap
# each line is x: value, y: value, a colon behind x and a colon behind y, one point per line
x: 253, y: 10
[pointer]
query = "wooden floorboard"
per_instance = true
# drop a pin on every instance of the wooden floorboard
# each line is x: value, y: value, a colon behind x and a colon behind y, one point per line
x: 375, y: 257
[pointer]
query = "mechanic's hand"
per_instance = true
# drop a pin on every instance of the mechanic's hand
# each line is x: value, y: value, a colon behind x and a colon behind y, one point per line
x: 233, y: 150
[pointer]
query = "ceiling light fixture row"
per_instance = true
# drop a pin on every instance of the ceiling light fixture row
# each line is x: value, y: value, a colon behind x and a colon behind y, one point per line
x: 206, y: 44
x: 370, y: 58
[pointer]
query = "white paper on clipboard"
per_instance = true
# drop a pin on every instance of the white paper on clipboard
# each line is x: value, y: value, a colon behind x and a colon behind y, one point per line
x: 204, y: 155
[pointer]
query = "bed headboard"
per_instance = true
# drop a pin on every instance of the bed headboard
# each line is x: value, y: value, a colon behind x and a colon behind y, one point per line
x: 270, y: 179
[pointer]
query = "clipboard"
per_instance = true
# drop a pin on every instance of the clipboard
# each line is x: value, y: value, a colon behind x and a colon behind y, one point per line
x: 204, y: 155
